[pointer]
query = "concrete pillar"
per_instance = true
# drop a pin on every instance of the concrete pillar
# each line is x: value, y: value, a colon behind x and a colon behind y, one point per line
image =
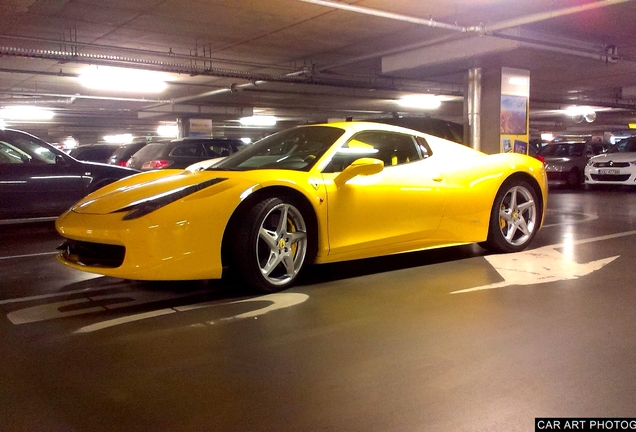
x: 496, y: 108
x: 183, y: 126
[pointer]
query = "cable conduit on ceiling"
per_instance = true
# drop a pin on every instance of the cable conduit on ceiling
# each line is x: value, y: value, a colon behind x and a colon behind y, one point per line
x: 138, y: 51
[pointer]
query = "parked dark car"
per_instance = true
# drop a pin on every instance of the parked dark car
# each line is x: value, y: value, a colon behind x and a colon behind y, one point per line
x: 183, y: 152
x: 565, y: 161
x: 124, y: 152
x: 94, y: 152
x: 441, y: 128
x: 38, y: 180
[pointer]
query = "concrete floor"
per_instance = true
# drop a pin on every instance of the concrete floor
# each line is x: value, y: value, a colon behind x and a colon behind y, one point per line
x: 445, y: 340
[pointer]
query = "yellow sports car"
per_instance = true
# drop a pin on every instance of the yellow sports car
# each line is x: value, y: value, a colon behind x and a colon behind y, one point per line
x: 310, y: 194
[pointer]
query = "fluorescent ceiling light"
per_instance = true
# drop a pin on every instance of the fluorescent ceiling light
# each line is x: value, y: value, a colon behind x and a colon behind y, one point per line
x: 258, y: 121
x: 547, y: 136
x: 70, y: 142
x: 421, y: 101
x: 123, y: 79
x: 580, y: 113
x: 168, y: 130
x: 25, y: 113
x: 119, y: 139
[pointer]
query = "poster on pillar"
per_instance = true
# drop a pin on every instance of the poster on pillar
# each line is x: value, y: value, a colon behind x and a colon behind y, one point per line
x: 514, y: 119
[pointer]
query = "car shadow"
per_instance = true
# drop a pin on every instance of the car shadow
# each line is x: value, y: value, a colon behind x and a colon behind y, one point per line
x: 323, y: 273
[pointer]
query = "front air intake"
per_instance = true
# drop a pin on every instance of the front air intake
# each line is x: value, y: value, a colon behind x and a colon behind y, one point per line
x: 92, y: 254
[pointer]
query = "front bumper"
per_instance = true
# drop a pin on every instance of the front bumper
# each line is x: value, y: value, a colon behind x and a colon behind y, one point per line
x: 154, y: 247
x: 622, y: 176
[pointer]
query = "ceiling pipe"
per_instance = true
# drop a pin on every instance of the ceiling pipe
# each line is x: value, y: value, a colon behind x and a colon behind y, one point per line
x: 79, y: 96
x: 480, y: 29
x: 303, y: 76
x: 542, y: 16
x: 399, y: 17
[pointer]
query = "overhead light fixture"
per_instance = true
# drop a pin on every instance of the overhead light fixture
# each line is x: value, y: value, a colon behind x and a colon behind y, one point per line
x: 258, y: 121
x: 547, y: 136
x: 420, y: 101
x: 247, y: 140
x: 168, y: 130
x: 119, y: 138
x: 123, y: 79
x: 25, y: 113
x: 69, y: 142
x: 580, y: 113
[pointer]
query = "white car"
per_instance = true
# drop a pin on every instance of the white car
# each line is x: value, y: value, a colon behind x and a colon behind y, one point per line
x: 616, y: 167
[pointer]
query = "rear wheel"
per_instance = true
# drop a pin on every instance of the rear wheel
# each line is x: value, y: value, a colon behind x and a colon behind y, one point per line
x: 515, y: 217
x: 271, y: 245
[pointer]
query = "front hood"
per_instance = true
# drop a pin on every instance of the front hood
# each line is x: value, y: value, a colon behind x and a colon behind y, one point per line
x: 149, y: 186
x: 615, y: 157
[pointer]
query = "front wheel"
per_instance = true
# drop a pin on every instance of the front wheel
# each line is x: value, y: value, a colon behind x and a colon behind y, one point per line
x: 271, y: 245
x: 515, y: 217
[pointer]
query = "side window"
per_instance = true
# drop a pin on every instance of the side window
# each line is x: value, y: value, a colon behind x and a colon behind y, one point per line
x: 188, y: 150
x: 390, y: 147
x: 10, y: 154
x: 218, y: 150
x: 24, y: 150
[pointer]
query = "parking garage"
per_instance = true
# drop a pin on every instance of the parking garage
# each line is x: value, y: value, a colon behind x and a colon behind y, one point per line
x: 449, y: 339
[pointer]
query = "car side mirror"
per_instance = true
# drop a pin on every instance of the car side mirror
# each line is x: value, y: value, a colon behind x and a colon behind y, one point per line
x: 362, y: 166
x: 60, y: 160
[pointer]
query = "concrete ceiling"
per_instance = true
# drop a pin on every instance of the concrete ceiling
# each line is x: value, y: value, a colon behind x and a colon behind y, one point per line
x: 310, y: 60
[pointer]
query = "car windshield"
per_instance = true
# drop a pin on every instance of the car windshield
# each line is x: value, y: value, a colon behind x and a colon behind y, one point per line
x: 295, y: 149
x: 624, y: 146
x: 563, y: 150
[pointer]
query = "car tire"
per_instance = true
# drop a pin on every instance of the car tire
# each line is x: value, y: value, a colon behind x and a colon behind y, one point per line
x: 271, y: 245
x: 515, y: 217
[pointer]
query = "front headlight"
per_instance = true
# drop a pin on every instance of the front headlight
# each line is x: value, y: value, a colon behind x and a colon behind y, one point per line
x: 148, y: 205
x: 590, y: 162
x: 554, y: 167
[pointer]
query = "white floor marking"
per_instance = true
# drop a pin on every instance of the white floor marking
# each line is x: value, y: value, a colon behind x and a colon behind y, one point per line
x: 90, y: 304
x: 586, y: 218
x: 124, y: 320
x: 279, y: 301
x: 543, y: 265
x: 27, y: 255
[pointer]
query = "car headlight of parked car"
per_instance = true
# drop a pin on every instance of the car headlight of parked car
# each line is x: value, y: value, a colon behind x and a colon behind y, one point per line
x: 554, y: 167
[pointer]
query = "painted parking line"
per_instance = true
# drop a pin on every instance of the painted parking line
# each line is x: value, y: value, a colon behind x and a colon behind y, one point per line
x: 586, y: 217
x: 27, y: 255
x: 278, y: 301
x: 543, y: 265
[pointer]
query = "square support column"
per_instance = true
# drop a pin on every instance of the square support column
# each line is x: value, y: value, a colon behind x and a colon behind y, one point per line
x: 497, y: 106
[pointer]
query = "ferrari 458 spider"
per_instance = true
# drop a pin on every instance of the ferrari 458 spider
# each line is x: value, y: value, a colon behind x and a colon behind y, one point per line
x: 310, y: 194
